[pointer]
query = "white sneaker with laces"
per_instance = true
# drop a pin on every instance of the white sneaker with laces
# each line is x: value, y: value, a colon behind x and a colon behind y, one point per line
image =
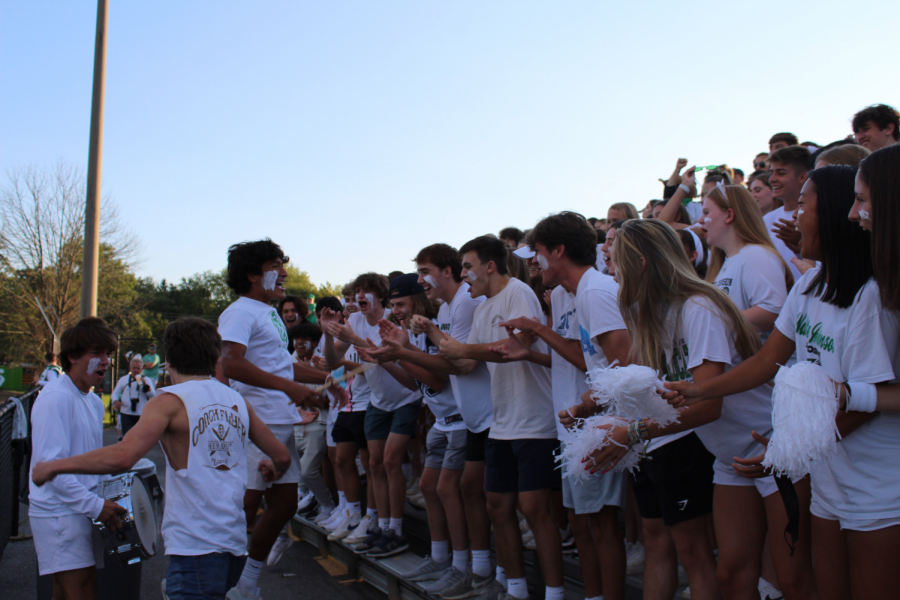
x: 359, y: 534
x: 305, y: 501
x: 528, y: 540
x: 320, y: 521
x: 324, y: 513
x: 634, y: 558
x: 343, y: 529
x: 282, y: 543
x: 767, y: 591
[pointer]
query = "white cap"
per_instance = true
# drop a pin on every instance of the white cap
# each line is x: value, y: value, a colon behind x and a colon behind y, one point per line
x: 524, y: 252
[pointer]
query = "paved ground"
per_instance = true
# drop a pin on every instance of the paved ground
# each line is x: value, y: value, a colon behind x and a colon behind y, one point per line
x: 300, y: 574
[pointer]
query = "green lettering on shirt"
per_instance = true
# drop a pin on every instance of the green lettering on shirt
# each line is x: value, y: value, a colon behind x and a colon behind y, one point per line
x: 814, y: 334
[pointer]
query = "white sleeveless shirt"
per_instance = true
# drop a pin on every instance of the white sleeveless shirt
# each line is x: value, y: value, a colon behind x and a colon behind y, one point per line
x: 205, y: 501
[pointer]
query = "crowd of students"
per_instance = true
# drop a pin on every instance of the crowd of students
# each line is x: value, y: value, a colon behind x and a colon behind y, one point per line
x: 460, y: 381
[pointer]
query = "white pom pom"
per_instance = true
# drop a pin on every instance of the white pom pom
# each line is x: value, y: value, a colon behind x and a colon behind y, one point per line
x: 590, y: 435
x: 630, y: 392
x: 804, y: 406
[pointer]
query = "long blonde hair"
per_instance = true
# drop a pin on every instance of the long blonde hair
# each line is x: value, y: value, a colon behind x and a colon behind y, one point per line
x: 749, y: 226
x: 664, y: 281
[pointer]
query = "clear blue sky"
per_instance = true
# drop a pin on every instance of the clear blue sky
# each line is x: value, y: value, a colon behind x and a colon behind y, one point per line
x: 354, y: 133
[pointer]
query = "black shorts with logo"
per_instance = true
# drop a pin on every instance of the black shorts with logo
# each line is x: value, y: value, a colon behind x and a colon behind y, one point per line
x: 350, y: 427
x: 676, y: 484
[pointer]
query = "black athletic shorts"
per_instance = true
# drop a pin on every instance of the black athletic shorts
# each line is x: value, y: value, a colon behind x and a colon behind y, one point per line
x: 350, y: 427
x: 676, y: 484
x: 521, y: 465
x: 475, y: 445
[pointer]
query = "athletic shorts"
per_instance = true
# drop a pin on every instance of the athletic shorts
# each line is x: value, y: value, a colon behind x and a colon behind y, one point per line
x: 521, y: 465
x: 588, y: 496
x: 446, y: 449
x: 859, y: 523
x: 66, y: 543
x: 475, y: 445
x: 675, y: 482
x: 350, y: 427
x: 284, y: 433
x: 381, y: 423
x: 724, y: 474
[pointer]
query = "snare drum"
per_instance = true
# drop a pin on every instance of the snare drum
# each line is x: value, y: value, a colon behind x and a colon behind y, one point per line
x: 138, y: 538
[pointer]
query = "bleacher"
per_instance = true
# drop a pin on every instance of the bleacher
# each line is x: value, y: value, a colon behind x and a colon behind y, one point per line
x: 386, y: 574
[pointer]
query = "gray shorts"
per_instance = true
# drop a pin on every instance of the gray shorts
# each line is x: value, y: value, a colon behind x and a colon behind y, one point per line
x: 285, y: 435
x: 446, y: 449
x: 589, y: 496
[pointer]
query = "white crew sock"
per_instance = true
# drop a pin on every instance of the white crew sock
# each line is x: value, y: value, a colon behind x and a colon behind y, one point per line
x: 354, y: 507
x: 397, y: 526
x: 501, y: 576
x: 440, y: 551
x: 384, y: 524
x: 250, y: 575
x: 461, y: 560
x: 481, y: 563
x: 372, y: 514
x: 517, y: 588
x: 407, y: 470
x: 342, y: 499
x: 554, y: 593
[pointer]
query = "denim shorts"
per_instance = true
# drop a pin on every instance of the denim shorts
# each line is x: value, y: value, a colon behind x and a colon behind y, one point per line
x: 204, y: 576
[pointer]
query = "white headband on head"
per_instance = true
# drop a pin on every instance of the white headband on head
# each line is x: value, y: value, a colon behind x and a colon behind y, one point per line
x: 698, y: 246
x: 721, y: 187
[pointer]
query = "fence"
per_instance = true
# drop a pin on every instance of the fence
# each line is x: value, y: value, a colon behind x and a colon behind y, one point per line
x: 15, y: 456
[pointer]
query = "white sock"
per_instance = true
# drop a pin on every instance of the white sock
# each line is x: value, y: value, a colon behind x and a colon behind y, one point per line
x: 384, y: 523
x: 354, y: 507
x: 554, y: 593
x: 461, y: 560
x: 440, y: 551
x: 501, y: 576
x: 595, y: 598
x: 481, y: 563
x: 397, y: 526
x: 517, y: 588
x: 250, y: 575
x: 342, y: 499
x: 407, y: 470
x: 372, y: 514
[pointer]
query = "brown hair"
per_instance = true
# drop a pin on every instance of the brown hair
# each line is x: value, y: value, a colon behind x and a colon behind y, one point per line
x: 881, y: 115
x: 374, y: 283
x: 792, y: 156
x: 488, y: 248
x: 626, y: 208
x: 763, y: 177
x: 90, y: 333
x: 193, y: 346
x: 570, y: 230
x: 881, y: 172
x: 848, y: 154
x: 299, y: 304
x: 790, y: 138
x: 441, y: 256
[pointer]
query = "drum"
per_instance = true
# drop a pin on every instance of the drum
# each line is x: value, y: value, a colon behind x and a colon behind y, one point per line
x: 138, y: 538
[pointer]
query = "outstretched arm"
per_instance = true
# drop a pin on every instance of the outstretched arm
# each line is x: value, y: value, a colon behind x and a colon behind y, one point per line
x: 236, y: 366
x: 262, y: 436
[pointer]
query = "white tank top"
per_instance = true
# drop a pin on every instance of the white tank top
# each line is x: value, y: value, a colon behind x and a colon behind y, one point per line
x: 205, y: 501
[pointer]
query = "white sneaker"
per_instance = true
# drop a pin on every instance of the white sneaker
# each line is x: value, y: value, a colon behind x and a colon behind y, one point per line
x: 682, y: 575
x: 413, y: 488
x: 686, y: 593
x: 359, y: 534
x: 767, y: 591
x: 634, y: 558
x: 305, y: 501
x: 282, y: 543
x: 528, y: 540
x: 347, y: 524
x: 333, y: 521
x: 325, y: 513
x: 237, y: 593
x: 523, y: 525
x: 359, y: 466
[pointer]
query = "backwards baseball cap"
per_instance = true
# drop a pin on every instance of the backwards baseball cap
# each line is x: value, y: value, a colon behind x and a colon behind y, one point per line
x: 406, y: 285
x: 524, y: 252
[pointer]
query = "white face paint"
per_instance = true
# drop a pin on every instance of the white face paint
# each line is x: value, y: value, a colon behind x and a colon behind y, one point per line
x: 707, y: 220
x: 92, y: 365
x: 799, y: 211
x: 370, y: 298
x: 430, y: 281
x: 472, y: 276
x: 542, y: 260
x: 864, y: 215
x: 269, y: 279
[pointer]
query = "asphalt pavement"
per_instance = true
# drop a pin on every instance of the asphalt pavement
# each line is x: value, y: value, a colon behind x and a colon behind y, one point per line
x: 300, y: 574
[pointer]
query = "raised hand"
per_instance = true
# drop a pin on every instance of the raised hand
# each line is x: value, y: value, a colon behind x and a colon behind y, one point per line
x: 420, y: 324
x: 523, y: 324
x: 752, y: 468
x: 513, y: 348
x: 680, y: 164
x: 340, y: 332
x: 393, y: 336
x: 329, y: 316
x: 786, y: 231
x: 689, y: 178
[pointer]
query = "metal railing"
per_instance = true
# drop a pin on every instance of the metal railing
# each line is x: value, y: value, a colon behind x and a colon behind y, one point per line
x: 15, y: 456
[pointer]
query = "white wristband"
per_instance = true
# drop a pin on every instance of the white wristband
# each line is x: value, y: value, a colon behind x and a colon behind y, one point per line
x: 684, y: 188
x: 862, y: 397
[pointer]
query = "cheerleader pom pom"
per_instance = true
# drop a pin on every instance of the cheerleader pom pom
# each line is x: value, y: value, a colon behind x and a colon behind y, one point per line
x: 592, y: 434
x: 804, y: 406
x: 630, y: 392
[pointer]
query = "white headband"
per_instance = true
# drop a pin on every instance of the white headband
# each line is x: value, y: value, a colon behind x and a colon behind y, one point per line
x: 698, y: 246
x: 721, y: 187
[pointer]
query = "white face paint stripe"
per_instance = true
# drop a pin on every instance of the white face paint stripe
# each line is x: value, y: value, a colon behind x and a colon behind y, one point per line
x: 472, y: 276
x: 370, y: 298
x: 707, y: 220
x: 800, y: 211
x: 542, y: 260
x: 430, y: 281
x: 864, y: 215
x: 92, y: 365
x: 269, y: 279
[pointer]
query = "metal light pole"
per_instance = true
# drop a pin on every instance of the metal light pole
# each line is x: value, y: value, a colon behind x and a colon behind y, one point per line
x: 91, y: 260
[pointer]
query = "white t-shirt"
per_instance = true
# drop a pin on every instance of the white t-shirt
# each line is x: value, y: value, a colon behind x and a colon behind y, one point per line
x: 862, y: 479
x: 387, y: 393
x: 704, y: 334
x: 567, y: 381
x: 769, y: 219
x: 443, y: 403
x: 520, y: 391
x: 65, y: 422
x: 360, y: 392
x: 51, y: 373
x: 473, y: 391
x: 131, y: 389
x: 596, y: 312
x: 258, y: 327
x: 754, y: 277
